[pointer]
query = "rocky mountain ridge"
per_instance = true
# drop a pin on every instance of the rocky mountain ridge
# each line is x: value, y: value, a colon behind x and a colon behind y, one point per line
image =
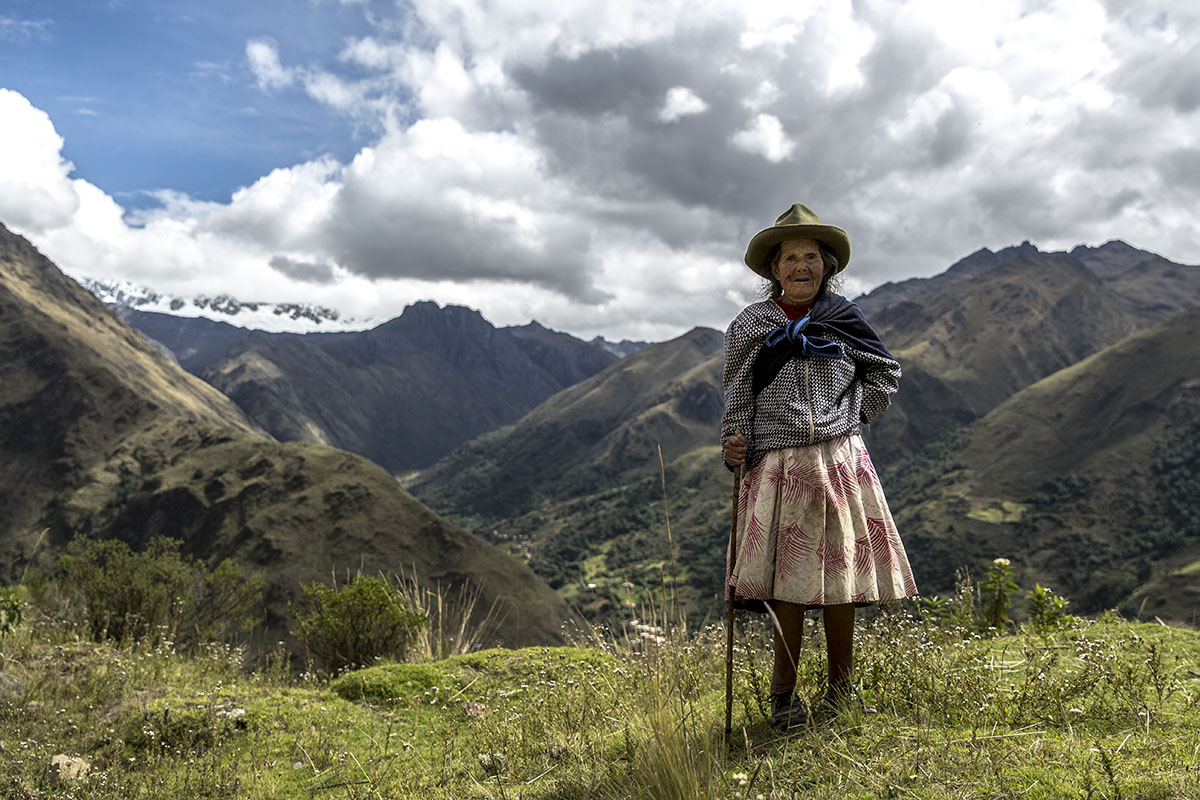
x: 406, y: 392
x: 101, y: 435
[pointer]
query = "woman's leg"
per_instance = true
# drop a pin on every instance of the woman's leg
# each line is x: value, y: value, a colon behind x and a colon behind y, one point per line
x: 839, y: 645
x: 787, y: 646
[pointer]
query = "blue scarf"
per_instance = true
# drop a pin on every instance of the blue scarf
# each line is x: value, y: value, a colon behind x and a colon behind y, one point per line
x: 807, y: 338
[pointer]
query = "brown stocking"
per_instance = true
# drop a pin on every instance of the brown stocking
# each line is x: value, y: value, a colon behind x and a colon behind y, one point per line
x: 839, y: 644
x: 787, y: 647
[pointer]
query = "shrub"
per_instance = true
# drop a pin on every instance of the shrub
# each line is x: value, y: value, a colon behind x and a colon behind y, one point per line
x: 10, y: 610
x: 1047, y: 609
x: 227, y: 603
x: 997, y: 589
x: 357, y: 624
x: 157, y: 594
x: 935, y: 609
x: 126, y: 596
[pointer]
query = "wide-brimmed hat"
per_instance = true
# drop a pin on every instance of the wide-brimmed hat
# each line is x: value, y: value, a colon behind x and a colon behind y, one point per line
x: 798, y: 222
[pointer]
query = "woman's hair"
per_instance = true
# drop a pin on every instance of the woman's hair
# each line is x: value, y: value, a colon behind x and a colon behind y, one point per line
x: 772, y: 289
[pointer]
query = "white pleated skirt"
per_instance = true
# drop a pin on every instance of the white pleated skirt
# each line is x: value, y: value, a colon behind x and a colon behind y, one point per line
x: 814, y: 528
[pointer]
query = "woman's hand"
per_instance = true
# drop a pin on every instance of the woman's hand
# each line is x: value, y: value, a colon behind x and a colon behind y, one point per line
x: 735, y: 449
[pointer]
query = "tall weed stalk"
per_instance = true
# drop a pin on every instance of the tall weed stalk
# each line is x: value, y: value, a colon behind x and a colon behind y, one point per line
x: 457, y: 622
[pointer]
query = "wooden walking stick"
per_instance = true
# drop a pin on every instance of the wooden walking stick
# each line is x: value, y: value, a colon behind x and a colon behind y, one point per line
x: 737, y: 486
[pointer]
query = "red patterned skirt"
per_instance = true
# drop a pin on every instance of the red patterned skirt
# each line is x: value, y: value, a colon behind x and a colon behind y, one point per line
x: 814, y: 528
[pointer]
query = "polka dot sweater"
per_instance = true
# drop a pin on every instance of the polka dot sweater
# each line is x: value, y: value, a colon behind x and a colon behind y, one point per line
x: 801, y: 405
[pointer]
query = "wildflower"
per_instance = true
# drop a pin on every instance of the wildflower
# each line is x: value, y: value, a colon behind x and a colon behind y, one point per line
x: 1000, y: 562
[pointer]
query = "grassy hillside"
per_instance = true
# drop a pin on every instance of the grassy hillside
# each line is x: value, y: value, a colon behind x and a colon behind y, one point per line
x: 1097, y: 709
x: 73, y: 379
x: 100, y: 434
x: 1087, y: 479
x: 609, y: 549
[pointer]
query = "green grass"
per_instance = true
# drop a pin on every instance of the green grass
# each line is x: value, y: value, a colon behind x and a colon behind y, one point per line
x: 1100, y: 710
x: 997, y: 512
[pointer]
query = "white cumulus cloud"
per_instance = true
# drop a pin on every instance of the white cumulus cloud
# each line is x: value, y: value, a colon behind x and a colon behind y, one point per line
x: 681, y: 102
x: 765, y: 137
x: 36, y: 193
x: 263, y: 55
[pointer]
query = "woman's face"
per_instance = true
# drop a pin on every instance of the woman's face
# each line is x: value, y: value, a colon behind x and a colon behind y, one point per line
x: 799, y: 270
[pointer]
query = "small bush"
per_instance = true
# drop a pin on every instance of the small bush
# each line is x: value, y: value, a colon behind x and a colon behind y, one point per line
x: 157, y: 594
x: 356, y: 625
x: 226, y: 604
x: 998, y: 588
x: 10, y: 610
x: 127, y: 596
x: 1047, y: 609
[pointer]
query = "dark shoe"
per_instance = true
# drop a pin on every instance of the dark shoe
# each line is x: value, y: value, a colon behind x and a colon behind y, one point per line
x: 787, y: 711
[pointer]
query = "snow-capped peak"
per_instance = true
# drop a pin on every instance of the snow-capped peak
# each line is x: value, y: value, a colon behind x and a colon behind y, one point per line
x: 289, y: 317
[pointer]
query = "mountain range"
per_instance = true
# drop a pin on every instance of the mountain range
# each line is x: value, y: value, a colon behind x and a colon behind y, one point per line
x: 1088, y: 478
x: 407, y: 392
x: 574, y: 484
x: 403, y: 393
x: 550, y: 446
x: 102, y: 435
x: 997, y: 322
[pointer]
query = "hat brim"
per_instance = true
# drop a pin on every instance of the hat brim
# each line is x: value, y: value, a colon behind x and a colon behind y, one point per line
x: 760, y: 246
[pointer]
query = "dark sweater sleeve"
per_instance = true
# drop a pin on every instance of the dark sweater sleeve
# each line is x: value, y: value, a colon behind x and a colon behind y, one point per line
x: 880, y: 379
x: 740, y: 348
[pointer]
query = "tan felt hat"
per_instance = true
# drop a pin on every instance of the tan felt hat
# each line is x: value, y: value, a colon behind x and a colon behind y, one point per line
x: 798, y: 222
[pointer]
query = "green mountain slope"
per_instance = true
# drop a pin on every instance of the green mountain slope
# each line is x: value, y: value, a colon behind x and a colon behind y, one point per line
x: 591, y: 436
x: 972, y: 344
x: 73, y: 378
x: 100, y: 434
x: 1086, y: 479
x: 574, y: 485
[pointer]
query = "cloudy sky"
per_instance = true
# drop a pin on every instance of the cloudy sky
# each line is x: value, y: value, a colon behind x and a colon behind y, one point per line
x: 597, y: 166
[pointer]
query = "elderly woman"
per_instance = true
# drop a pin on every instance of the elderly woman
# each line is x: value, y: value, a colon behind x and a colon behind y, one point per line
x: 803, y: 373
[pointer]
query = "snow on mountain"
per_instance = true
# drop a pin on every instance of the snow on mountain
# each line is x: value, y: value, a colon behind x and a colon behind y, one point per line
x: 275, y: 317
x: 619, y: 349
